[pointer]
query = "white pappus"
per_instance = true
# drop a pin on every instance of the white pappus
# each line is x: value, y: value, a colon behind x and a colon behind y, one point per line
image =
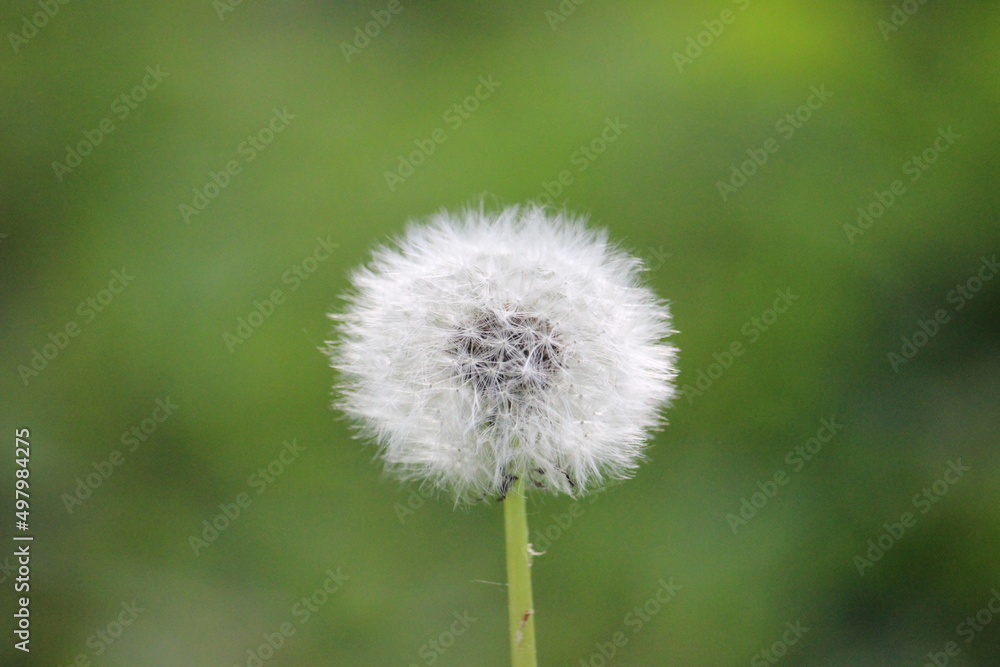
x: 480, y: 347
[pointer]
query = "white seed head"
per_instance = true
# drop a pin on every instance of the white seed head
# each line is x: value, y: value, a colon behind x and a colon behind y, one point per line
x: 480, y: 347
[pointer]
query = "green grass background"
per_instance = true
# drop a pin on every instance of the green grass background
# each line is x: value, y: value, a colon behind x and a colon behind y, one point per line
x: 655, y: 187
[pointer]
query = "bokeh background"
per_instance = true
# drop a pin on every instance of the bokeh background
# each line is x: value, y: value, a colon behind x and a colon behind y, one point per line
x: 641, y: 110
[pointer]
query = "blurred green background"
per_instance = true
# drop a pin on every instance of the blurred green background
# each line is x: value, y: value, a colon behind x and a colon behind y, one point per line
x: 632, y: 113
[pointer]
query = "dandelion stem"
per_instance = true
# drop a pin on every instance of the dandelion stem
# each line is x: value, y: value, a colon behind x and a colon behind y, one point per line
x: 521, y: 609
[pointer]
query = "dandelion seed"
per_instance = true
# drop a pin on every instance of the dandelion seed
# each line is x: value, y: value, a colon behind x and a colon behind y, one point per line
x: 481, y: 347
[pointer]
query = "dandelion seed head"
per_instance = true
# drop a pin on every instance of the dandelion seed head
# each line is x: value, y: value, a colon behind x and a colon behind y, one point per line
x: 483, y: 345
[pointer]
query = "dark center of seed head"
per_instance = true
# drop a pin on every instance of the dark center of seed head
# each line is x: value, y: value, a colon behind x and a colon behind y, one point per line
x: 506, y: 354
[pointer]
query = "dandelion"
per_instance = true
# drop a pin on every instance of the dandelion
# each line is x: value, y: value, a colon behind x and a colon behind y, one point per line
x: 492, y: 353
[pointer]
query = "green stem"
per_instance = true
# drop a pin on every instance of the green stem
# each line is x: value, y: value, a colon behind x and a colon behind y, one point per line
x: 521, y: 610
